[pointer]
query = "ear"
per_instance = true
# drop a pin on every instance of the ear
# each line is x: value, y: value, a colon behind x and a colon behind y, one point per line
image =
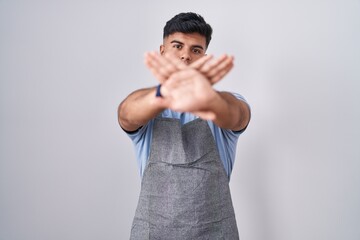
x: 162, y: 49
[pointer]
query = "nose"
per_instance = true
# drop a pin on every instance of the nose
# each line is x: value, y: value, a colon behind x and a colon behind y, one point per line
x: 185, y: 57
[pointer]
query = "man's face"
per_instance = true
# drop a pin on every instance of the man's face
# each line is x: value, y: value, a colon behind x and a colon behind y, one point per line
x: 186, y: 46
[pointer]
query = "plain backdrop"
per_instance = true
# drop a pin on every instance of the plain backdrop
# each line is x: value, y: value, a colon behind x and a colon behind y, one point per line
x: 68, y: 172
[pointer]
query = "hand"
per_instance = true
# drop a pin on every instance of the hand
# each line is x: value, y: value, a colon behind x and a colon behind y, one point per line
x: 188, y: 90
x: 164, y: 66
x: 214, y: 69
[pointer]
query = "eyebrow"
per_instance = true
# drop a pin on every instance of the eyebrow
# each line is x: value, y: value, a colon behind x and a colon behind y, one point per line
x: 193, y: 46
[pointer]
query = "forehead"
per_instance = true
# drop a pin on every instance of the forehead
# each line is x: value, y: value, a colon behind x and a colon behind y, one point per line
x: 186, y: 38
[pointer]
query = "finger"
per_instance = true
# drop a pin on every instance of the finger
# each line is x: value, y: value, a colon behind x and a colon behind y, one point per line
x: 220, y: 75
x: 200, y: 62
x: 222, y: 65
x: 175, y: 61
x: 209, y: 65
x: 152, y: 65
x: 159, y: 66
x: 160, y: 77
x: 156, y: 63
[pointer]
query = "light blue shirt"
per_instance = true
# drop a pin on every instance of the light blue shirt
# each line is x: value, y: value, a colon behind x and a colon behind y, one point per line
x: 225, y: 139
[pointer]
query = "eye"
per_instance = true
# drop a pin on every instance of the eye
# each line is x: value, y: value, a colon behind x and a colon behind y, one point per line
x: 178, y: 46
x: 197, y: 51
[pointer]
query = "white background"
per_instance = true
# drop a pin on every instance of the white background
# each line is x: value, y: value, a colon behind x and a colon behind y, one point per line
x: 67, y: 171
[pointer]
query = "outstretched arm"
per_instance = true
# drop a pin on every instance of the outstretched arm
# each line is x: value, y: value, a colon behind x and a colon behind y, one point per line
x: 142, y: 105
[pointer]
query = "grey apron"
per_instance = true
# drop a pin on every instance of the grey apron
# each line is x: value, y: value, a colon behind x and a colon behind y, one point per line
x: 184, y: 191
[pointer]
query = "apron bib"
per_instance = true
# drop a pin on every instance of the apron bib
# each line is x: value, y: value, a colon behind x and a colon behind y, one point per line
x: 184, y: 190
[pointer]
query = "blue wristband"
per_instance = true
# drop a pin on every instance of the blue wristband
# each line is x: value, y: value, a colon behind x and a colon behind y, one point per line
x: 158, y: 93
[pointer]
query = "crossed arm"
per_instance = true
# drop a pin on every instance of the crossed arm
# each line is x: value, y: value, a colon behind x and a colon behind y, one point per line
x: 185, y: 88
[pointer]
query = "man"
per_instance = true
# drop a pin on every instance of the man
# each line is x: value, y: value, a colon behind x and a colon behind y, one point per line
x: 185, y: 136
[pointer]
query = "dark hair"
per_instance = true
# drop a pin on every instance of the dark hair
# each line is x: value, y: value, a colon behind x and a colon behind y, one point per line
x: 188, y: 23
